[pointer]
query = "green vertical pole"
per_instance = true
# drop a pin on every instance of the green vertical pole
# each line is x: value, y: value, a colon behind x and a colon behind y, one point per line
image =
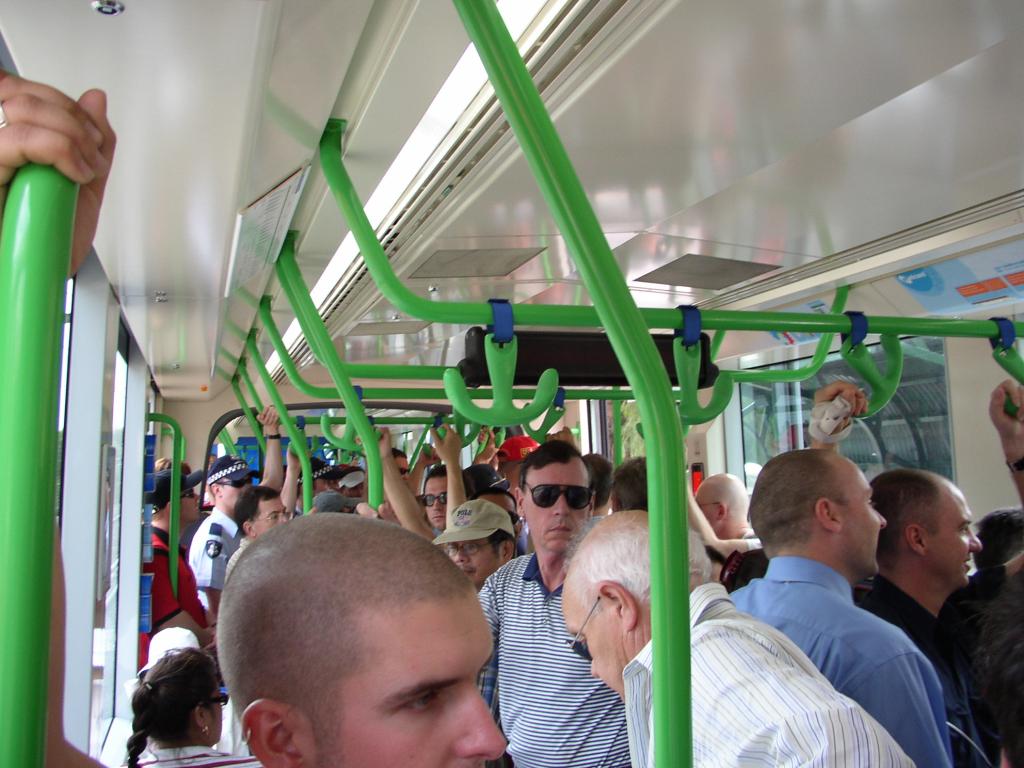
x: 177, y: 456
x: 617, y: 432
x: 244, y: 373
x: 250, y: 417
x: 228, y: 443
x: 323, y: 349
x: 35, y: 251
x: 297, y: 438
x: 633, y: 345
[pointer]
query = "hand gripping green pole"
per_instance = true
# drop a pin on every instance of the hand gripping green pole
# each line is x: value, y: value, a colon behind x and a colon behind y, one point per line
x: 250, y: 417
x: 296, y: 437
x: 883, y: 387
x: 178, y: 456
x: 323, y: 349
x: 35, y: 248
x: 632, y: 342
x: 501, y: 366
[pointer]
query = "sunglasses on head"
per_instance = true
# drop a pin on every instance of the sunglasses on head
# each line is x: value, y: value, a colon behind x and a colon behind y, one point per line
x: 576, y: 496
x: 428, y: 499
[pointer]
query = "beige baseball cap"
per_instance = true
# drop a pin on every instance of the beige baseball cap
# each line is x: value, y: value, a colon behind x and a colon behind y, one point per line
x: 476, y: 519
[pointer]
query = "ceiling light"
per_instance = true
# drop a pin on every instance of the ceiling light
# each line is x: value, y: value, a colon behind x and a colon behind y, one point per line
x: 108, y: 7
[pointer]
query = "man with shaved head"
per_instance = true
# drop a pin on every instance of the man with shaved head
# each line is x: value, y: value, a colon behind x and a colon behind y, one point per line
x: 812, y: 509
x: 352, y: 642
x: 724, y: 501
x: 757, y: 699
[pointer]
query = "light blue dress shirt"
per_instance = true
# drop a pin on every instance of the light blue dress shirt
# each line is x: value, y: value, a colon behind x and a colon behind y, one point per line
x: 864, y: 657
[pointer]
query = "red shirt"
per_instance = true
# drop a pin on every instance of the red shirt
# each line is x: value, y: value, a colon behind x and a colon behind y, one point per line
x: 165, y: 605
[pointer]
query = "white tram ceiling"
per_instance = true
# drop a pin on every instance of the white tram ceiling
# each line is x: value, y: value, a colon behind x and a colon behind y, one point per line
x: 774, y: 133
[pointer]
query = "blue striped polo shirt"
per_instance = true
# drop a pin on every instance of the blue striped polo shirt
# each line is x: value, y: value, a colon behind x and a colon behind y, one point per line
x: 553, y: 713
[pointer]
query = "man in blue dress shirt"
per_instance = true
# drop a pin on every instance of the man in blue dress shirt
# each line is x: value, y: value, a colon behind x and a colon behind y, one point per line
x: 812, y: 510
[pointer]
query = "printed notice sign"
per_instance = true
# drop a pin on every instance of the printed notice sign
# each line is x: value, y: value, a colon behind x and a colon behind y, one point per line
x: 959, y: 285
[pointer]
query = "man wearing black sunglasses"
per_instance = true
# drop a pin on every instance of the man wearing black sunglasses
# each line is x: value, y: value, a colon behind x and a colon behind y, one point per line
x: 552, y: 711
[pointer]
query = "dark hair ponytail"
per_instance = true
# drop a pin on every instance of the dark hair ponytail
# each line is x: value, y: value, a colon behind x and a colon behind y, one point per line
x: 166, y: 696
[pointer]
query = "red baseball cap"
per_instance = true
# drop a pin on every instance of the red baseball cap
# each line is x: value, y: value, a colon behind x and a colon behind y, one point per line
x: 517, y: 448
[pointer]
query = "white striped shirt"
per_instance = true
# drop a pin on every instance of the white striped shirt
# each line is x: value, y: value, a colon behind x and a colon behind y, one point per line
x: 193, y: 757
x: 553, y: 713
x: 757, y: 700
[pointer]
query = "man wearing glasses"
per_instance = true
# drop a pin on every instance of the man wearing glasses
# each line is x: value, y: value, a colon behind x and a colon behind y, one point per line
x: 479, y: 539
x: 168, y: 610
x: 757, y: 699
x: 554, y: 714
x: 259, y: 509
x: 217, y: 537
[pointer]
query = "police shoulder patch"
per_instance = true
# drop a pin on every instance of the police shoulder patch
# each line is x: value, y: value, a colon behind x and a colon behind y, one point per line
x: 213, y: 548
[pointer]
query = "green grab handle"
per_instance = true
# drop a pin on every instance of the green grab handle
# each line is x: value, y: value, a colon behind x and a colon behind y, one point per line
x: 320, y: 343
x: 347, y: 442
x: 243, y: 371
x: 883, y: 387
x: 691, y: 412
x: 501, y: 366
x: 550, y: 419
x: 294, y: 435
x: 465, y: 429
x: 1011, y: 362
x: 796, y: 375
x: 415, y: 455
x: 250, y: 417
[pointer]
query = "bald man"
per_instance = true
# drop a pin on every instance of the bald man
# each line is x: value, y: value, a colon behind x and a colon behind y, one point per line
x: 724, y: 501
x: 791, y: 715
x: 812, y: 510
x: 339, y: 658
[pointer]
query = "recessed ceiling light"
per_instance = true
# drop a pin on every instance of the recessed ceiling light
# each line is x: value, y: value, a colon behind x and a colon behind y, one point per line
x: 108, y: 7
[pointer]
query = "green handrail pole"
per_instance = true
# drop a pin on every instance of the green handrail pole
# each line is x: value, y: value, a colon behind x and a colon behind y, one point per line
x: 250, y: 417
x: 178, y: 454
x: 320, y: 343
x: 294, y: 435
x: 415, y: 455
x: 617, y: 432
x: 244, y: 373
x: 35, y: 251
x: 228, y: 443
x: 635, y: 349
x: 290, y: 369
x: 804, y: 372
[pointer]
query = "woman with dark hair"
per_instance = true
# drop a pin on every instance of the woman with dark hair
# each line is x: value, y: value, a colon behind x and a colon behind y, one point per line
x: 177, y: 715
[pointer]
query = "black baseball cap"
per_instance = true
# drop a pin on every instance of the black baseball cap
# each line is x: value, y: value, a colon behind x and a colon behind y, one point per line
x: 161, y: 493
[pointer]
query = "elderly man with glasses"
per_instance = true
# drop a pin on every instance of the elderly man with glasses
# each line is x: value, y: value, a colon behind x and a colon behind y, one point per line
x: 554, y: 714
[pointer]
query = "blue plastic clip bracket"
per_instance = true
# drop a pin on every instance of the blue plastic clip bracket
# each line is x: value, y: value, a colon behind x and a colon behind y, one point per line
x: 690, y: 332
x: 503, y: 327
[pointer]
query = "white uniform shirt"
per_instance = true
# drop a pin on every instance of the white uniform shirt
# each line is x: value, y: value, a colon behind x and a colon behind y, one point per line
x: 757, y: 700
x: 213, y: 545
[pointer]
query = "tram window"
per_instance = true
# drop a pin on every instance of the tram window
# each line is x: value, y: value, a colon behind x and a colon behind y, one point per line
x: 913, y: 430
x: 69, y: 293
x: 105, y: 647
